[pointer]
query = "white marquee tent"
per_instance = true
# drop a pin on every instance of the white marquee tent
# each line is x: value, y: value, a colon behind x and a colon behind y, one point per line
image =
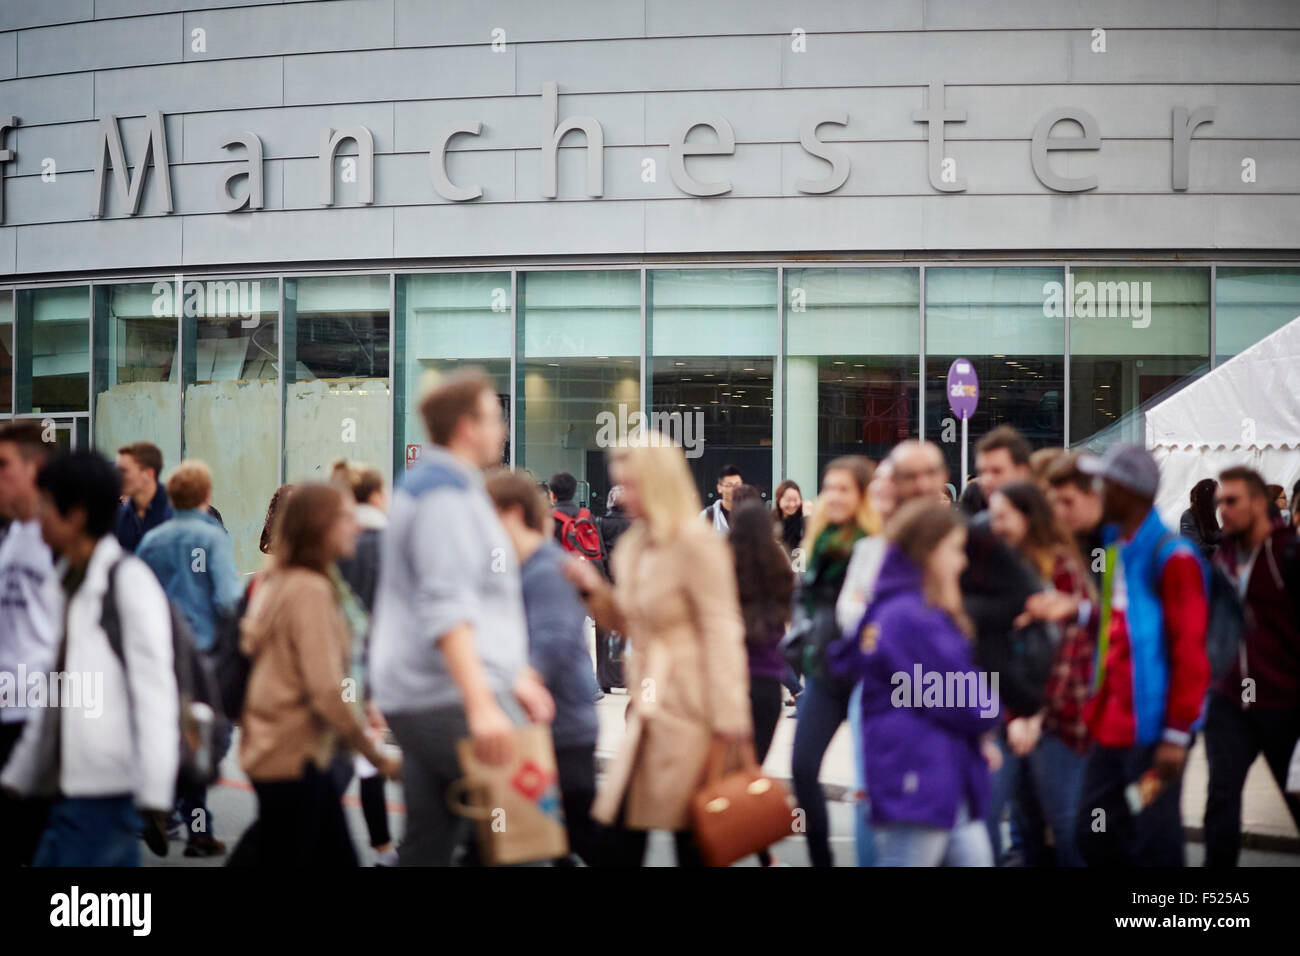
x: 1245, y: 412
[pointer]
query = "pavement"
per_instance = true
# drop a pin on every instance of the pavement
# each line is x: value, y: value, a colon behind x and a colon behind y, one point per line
x: 1266, y: 824
x: 1270, y: 837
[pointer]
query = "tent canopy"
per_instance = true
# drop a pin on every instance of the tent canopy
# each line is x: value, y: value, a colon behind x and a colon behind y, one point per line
x: 1245, y: 412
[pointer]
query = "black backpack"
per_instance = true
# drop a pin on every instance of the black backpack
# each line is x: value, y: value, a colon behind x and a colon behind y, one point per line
x: 1225, y: 625
x: 232, y: 665
x: 202, y: 718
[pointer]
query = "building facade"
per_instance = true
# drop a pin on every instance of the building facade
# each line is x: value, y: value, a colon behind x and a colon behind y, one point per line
x: 250, y: 231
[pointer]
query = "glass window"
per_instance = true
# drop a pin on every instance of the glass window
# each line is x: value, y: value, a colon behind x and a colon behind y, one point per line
x: 6, y: 352
x: 1136, y: 336
x: 712, y: 346
x: 230, y: 368
x: 137, y: 383
x: 852, y: 341
x: 336, y: 402
x: 447, y: 321
x: 52, y: 346
x: 1251, y: 304
x: 579, y: 369
x: 1005, y: 321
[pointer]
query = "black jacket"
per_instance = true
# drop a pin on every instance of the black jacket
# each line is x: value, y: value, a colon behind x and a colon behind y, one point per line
x: 612, y: 525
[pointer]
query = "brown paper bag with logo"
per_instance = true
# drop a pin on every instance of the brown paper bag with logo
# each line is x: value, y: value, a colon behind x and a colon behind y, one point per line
x: 517, y: 805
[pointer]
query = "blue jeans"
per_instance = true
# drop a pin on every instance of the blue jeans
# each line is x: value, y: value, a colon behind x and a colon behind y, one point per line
x: 1002, y: 795
x: 1048, y: 797
x: 911, y: 844
x: 91, y: 831
x: 863, y: 838
x: 820, y: 714
x: 191, y: 798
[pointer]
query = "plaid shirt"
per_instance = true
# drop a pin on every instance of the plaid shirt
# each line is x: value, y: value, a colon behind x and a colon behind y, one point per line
x: 1068, y: 686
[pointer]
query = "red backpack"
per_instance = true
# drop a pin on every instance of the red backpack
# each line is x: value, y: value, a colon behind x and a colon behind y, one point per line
x: 579, y: 535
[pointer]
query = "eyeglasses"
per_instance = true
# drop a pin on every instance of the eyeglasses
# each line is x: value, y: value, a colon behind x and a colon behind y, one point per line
x: 1227, y: 501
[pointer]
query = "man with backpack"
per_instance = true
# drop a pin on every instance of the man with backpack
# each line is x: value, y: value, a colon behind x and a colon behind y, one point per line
x: 575, y: 529
x: 109, y: 750
x: 192, y: 557
x: 578, y: 534
x: 1256, y: 705
x: 1150, y: 675
x: 28, y: 623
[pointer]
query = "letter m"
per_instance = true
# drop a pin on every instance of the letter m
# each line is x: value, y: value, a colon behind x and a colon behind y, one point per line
x: 1115, y: 297
x: 223, y: 299
x: 128, y: 184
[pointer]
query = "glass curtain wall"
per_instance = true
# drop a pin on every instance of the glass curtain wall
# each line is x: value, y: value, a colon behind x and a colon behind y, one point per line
x: 1137, y: 335
x: 52, y: 336
x: 851, y: 365
x: 196, y: 368
x: 6, y: 352
x: 712, y: 341
x: 579, y: 373
x: 336, y: 401
x: 136, y: 368
x: 230, y: 400
x: 1251, y: 304
x: 444, y: 322
x: 52, y: 351
x: 1005, y: 321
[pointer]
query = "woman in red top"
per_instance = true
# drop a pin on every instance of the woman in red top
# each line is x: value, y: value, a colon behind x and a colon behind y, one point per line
x: 1053, y: 742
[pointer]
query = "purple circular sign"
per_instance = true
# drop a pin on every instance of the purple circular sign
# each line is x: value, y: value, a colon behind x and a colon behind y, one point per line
x: 963, y: 388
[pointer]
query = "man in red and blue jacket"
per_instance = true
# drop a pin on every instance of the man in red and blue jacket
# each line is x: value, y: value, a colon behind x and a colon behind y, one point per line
x: 1150, y: 673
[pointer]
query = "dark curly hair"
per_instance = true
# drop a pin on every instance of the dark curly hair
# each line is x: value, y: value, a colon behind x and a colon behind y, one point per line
x: 272, y: 509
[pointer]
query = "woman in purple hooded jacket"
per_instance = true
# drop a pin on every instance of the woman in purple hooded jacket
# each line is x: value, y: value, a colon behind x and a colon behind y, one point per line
x: 927, y: 710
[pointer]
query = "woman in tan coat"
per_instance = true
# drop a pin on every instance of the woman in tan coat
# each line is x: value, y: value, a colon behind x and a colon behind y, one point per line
x: 296, y: 709
x: 687, y: 677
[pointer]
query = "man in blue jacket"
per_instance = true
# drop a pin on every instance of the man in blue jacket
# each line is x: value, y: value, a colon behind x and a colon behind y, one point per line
x: 192, y: 557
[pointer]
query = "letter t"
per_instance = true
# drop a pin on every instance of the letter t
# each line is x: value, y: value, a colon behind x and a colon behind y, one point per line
x: 935, y: 115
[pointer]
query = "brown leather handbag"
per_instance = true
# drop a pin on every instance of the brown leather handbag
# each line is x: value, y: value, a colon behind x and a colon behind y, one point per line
x: 740, y: 812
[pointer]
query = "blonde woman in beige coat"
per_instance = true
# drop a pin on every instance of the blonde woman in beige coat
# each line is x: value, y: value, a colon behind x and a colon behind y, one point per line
x: 687, y: 678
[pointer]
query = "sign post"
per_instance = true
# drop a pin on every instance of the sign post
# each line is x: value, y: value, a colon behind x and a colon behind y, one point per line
x: 963, y: 396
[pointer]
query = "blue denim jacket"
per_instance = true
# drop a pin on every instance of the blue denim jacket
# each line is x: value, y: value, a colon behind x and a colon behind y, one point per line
x: 193, y: 559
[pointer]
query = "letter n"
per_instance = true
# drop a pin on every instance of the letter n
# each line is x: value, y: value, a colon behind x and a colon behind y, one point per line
x: 329, y: 146
x: 129, y: 185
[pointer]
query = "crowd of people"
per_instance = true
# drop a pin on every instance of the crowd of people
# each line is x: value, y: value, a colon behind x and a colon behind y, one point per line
x: 1023, y: 663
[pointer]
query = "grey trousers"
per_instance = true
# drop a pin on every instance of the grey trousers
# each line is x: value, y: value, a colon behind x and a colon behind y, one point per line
x: 429, y: 766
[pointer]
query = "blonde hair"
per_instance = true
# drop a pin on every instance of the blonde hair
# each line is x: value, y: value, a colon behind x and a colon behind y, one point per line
x: 669, y: 500
x: 189, y: 485
x: 862, y: 471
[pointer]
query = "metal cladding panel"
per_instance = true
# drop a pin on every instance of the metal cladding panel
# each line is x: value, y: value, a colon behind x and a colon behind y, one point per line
x: 19, y: 14
x: 354, y: 232
x: 99, y: 45
x: 411, y: 74
x: 292, y: 28
x: 421, y: 23
x: 190, y: 87
x: 409, y: 71
x: 50, y: 99
x: 522, y: 229
x: 678, y: 17
x: 101, y: 243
